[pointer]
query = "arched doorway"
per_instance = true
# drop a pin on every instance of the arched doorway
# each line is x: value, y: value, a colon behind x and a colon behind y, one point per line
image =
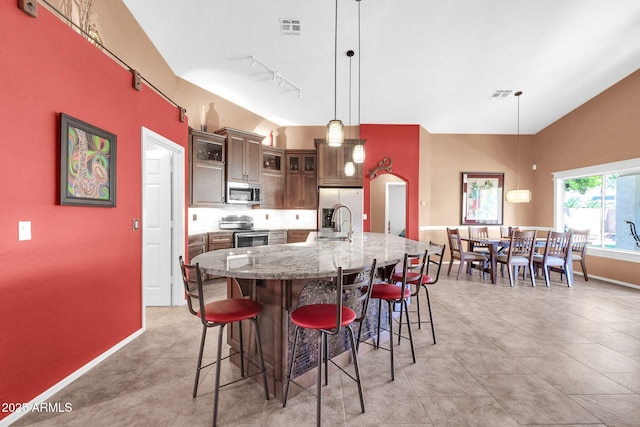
x: 388, y: 205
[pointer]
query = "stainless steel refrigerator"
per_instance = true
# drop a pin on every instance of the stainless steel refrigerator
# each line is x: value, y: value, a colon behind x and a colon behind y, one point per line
x: 331, y: 197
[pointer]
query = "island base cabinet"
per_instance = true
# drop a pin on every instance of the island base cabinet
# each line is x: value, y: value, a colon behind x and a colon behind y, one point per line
x: 278, y: 298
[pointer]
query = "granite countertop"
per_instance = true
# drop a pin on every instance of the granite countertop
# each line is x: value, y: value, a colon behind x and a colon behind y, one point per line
x: 311, y: 259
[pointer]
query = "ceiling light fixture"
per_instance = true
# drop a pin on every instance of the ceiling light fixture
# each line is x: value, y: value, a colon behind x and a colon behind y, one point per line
x: 518, y: 195
x: 358, y: 149
x: 276, y: 76
x: 335, y: 128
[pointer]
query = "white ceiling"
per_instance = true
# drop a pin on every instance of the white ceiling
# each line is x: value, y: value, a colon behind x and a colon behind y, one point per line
x: 430, y: 62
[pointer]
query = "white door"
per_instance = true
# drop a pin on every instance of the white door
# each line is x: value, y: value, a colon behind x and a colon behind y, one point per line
x: 157, y: 225
x: 396, y: 208
x: 163, y: 219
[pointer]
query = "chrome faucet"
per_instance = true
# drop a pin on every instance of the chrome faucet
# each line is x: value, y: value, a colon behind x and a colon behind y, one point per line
x: 333, y: 219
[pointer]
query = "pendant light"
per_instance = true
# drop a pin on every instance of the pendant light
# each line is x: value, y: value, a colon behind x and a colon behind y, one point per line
x: 358, y: 149
x: 518, y: 195
x: 349, y: 167
x: 335, y: 129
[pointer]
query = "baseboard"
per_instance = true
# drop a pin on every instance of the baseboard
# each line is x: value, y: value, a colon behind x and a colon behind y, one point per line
x: 5, y: 422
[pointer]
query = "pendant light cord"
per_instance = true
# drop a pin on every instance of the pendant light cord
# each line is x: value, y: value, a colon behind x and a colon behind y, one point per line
x: 335, y: 68
x: 359, y: 65
x: 518, y: 93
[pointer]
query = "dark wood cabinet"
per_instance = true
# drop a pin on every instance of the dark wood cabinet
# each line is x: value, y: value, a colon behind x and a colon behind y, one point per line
x: 218, y: 240
x: 331, y: 161
x: 301, y: 180
x: 207, y: 169
x: 273, y: 181
x: 244, y: 155
x: 297, y: 236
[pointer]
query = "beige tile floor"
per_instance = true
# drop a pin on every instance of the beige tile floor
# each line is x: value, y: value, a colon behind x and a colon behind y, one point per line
x: 505, y: 356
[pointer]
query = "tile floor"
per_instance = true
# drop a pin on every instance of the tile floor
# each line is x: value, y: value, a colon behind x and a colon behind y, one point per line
x: 505, y: 356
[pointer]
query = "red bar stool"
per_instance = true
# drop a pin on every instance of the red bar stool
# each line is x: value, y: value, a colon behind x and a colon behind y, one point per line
x: 435, y: 261
x: 221, y: 313
x: 329, y: 319
x: 412, y: 269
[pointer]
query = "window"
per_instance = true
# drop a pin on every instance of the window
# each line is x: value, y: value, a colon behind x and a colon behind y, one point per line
x: 604, y: 199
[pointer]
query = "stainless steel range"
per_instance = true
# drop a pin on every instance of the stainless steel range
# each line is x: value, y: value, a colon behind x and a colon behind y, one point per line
x: 244, y: 235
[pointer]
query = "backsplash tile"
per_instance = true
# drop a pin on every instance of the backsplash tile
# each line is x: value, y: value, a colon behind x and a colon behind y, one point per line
x: 208, y: 219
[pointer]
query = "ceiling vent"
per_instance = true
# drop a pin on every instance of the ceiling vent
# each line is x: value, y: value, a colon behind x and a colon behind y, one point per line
x: 501, y: 94
x: 290, y: 27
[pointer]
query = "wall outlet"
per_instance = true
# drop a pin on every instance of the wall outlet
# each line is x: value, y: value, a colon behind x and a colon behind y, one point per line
x: 24, y: 230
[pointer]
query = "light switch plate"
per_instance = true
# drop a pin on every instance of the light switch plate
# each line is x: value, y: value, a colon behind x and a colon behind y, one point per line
x: 24, y: 230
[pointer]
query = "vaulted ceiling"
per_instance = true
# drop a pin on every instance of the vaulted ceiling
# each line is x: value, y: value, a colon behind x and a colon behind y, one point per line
x: 430, y: 62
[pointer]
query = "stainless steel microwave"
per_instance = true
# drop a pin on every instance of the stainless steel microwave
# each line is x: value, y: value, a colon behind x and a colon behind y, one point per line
x: 243, y: 193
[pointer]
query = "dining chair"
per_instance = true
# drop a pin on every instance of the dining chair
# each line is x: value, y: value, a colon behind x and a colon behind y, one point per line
x: 519, y: 254
x: 221, y: 313
x: 505, y: 233
x: 478, y: 233
x: 556, y: 255
x: 355, y: 286
x: 433, y: 262
x: 579, y: 249
x: 398, y: 293
x: 457, y: 252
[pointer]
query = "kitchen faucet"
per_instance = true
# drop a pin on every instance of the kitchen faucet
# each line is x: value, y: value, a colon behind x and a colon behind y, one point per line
x: 333, y: 219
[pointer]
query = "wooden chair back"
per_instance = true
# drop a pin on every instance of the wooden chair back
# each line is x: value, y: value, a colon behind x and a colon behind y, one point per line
x: 455, y: 244
x: 558, y: 244
x: 522, y: 245
x: 580, y: 240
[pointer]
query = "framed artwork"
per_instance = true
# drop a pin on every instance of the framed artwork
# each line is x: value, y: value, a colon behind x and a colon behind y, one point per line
x: 482, y: 198
x: 87, y: 164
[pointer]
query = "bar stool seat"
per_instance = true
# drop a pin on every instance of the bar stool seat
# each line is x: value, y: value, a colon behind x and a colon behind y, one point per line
x: 321, y: 316
x: 387, y: 291
x: 230, y: 310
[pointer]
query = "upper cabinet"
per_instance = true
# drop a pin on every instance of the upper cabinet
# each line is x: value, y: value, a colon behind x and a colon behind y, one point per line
x: 273, y: 182
x: 207, y: 168
x: 302, y: 184
x: 331, y: 161
x: 244, y: 155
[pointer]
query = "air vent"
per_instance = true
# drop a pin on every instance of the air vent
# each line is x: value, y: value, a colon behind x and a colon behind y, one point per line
x: 501, y: 94
x: 290, y: 27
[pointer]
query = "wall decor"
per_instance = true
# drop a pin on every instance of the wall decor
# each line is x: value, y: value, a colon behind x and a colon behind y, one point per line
x: 87, y: 164
x: 482, y: 198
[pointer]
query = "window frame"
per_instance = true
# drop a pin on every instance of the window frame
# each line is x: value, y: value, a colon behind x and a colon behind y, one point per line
x: 559, y: 177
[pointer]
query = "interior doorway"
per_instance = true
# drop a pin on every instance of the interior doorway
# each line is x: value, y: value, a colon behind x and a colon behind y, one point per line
x: 388, y: 205
x: 163, y: 201
x: 396, y: 208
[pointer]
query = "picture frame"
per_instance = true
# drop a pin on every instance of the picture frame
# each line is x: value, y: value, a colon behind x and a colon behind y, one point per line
x: 482, y: 198
x: 87, y: 164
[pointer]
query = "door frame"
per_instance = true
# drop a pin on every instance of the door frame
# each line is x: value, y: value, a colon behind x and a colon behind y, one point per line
x: 177, y: 210
x: 402, y: 184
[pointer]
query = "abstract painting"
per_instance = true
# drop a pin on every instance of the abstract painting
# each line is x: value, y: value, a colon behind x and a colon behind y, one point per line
x: 87, y: 164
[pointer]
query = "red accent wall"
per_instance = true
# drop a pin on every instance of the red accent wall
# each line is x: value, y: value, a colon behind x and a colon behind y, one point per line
x: 74, y: 290
x: 402, y: 144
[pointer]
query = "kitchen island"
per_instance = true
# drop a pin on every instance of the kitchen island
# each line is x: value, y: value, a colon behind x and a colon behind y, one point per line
x: 282, y: 276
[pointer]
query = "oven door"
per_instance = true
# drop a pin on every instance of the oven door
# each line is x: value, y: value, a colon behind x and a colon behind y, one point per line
x: 249, y: 239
